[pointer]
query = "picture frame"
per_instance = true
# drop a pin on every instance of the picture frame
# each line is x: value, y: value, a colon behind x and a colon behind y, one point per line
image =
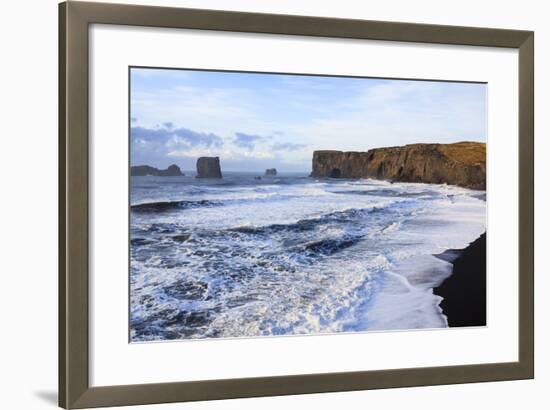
x: 75, y: 19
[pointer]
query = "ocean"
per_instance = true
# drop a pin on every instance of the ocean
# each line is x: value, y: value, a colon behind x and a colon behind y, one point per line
x: 291, y: 255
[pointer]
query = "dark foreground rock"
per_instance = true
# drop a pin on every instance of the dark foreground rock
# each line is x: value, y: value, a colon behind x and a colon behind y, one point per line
x: 271, y: 172
x: 461, y: 164
x: 145, y: 170
x: 208, y: 167
x: 464, y: 292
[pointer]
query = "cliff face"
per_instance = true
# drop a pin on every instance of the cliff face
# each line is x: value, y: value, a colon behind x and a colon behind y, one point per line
x: 208, y: 167
x: 144, y: 170
x: 461, y: 164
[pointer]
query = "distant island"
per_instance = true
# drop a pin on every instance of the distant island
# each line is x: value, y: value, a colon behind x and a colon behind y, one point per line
x: 271, y: 172
x: 461, y: 163
x: 145, y: 170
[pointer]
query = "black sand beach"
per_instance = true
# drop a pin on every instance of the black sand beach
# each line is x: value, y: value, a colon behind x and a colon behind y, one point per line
x: 464, y: 292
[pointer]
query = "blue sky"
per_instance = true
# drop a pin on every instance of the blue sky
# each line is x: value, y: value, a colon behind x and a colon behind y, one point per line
x: 258, y: 121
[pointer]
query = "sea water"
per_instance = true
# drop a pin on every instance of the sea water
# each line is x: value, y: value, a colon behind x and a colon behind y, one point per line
x: 290, y: 254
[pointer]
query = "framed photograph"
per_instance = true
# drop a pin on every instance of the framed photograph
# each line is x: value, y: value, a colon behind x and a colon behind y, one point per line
x: 255, y: 204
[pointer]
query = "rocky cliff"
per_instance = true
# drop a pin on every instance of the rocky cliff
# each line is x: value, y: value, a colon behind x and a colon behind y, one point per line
x: 461, y: 164
x: 208, y: 167
x: 145, y: 170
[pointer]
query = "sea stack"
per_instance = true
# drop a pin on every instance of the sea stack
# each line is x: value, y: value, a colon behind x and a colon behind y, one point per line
x: 461, y: 163
x: 209, y: 167
x: 271, y: 172
x: 145, y: 170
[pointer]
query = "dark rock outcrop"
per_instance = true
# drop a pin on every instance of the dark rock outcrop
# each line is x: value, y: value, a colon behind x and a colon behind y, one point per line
x: 145, y: 170
x: 208, y: 167
x: 461, y: 164
x: 464, y: 293
x: 271, y: 172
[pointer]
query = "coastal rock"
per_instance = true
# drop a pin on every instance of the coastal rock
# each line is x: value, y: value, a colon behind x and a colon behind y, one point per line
x: 271, y: 172
x: 145, y: 170
x: 462, y: 164
x: 208, y: 167
x: 464, y: 293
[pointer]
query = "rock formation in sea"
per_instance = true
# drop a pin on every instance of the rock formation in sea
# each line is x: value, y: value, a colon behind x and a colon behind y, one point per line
x: 461, y: 163
x: 145, y: 170
x: 271, y: 171
x: 208, y: 167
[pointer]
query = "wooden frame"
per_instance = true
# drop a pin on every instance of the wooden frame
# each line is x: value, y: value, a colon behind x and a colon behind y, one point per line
x: 74, y: 21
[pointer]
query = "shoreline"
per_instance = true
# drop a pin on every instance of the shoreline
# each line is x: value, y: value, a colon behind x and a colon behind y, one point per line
x: 464, y: 292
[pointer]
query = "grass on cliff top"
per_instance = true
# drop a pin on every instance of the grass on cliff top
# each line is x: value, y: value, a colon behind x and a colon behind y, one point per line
x: 465, y: 152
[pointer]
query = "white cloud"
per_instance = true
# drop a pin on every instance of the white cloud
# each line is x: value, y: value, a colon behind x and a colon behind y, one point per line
x: 226, y: 153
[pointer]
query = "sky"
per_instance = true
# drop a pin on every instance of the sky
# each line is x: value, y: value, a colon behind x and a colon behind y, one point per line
x: 258, y: 121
